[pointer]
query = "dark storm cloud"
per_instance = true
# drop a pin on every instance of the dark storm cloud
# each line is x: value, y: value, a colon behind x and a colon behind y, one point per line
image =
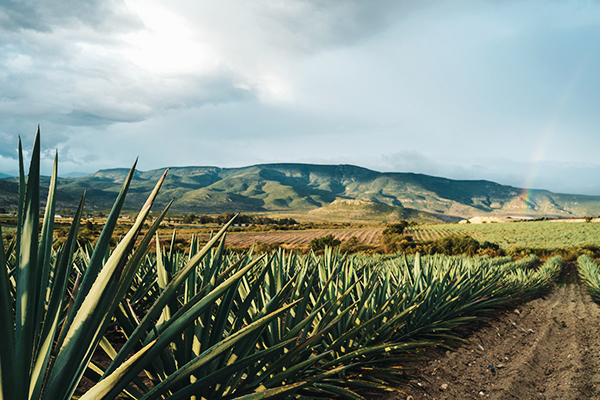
x: 45, y: 16
x: 40, y: 74
x: 65, y: 64
x: 313, y: 25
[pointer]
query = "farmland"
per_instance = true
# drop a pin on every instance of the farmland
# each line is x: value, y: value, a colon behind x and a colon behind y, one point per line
x: 226, y: 324
x: 539, y: 234
x: 536, y: 234
x: 303, y: 237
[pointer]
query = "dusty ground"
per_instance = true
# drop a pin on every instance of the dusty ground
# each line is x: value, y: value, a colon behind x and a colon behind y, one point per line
x: 548, y: 348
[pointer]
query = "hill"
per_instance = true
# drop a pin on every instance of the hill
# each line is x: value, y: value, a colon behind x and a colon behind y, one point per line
x: 320, y: 189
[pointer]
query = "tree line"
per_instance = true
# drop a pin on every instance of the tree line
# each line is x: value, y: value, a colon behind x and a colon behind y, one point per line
x: 241, y: 219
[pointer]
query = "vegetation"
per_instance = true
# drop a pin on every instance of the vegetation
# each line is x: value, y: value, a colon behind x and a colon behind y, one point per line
x: 225, y: 325
x: 321, y: 243
x: 241, y: 219
x: 590, y: 276
x: 535, y: 234
x: 398, y: 228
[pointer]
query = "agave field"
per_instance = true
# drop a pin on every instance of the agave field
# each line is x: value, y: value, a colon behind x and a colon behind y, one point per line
x: 534, y: 234
x: 215, y: 324
x: 299, y: 238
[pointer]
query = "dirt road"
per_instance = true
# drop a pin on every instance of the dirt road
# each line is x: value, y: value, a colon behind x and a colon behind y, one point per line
x: 548, y: 348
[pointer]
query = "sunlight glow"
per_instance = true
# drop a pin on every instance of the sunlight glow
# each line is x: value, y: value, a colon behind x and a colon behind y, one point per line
x: 168, y: 45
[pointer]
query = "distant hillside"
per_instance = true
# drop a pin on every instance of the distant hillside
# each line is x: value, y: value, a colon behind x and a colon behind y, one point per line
x: 363, y: 210
x: 320, y: 189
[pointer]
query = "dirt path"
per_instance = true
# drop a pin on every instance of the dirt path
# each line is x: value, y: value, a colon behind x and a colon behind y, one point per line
x: 548, y: 348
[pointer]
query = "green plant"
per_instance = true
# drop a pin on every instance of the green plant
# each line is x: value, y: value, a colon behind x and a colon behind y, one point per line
x: 48, y: 340
x: 321, y: 243
x: 224, y: 325
x: 590, y: 275
x: 396, y: 229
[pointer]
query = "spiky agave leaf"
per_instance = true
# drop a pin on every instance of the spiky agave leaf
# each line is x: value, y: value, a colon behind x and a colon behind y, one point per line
x: 83, y: 335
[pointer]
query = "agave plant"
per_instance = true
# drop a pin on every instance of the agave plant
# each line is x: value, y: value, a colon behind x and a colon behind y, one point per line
x: 224, y: 326
x: 51, y: 327
x: 590, y: 275
x: 47, y: 343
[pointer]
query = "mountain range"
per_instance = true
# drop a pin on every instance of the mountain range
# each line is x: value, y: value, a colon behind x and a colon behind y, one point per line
x: 321, y: 190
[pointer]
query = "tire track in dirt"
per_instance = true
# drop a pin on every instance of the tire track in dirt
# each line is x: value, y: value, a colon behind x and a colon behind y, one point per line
x: 548, y: 348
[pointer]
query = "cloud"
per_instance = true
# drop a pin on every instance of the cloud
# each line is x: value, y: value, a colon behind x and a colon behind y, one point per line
x: 312, y: 25
x: 419, y: 162
x: 102, y: 62
x: 95, y: 63
x: 102, y: 15
x: 558, y: 177
x: 462, y: 89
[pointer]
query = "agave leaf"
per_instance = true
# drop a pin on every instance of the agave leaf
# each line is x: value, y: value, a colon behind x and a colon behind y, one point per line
x: 338, y: 391
x: 53, y: 316
x: 100, y: 389
x: 218, y: 349
x: 216, y: 377
x: 303, y: 349
x: 161, y: 272
x: 380, y: 349
x: 169, y: 293
x: 45, y: 248
x: 264, y: 393
x: 27, y: 272
x: 288, y: 374
x: 21, y: 208
x: 189, y: 305
x: 274, y: 393
x: 83, y: 334
x: 7, y: 333
x: 94, y: 373
x: 96, y: 260
x: 179, y: 323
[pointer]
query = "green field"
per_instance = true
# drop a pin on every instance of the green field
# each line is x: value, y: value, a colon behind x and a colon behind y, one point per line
x: 538, y: 234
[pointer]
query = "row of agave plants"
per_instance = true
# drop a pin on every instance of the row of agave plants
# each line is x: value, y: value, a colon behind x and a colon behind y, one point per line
x: 212, y: 324
x: 589, y: 272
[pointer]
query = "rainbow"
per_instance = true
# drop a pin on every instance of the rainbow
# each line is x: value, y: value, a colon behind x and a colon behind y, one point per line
x: 526, y: 195
x: 536, y: 159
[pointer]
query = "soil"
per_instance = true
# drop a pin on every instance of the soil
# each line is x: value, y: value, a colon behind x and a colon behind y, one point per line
x: 548, y: 348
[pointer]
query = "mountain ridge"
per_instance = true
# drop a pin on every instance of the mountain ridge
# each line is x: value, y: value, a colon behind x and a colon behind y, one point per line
x: 295, y: 187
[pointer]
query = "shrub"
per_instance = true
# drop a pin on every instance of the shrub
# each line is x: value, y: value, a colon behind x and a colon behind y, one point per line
x: 396, y: 229
x: 318, y: 244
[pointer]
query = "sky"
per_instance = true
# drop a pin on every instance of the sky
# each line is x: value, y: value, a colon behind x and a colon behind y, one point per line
x: 507, y: 91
